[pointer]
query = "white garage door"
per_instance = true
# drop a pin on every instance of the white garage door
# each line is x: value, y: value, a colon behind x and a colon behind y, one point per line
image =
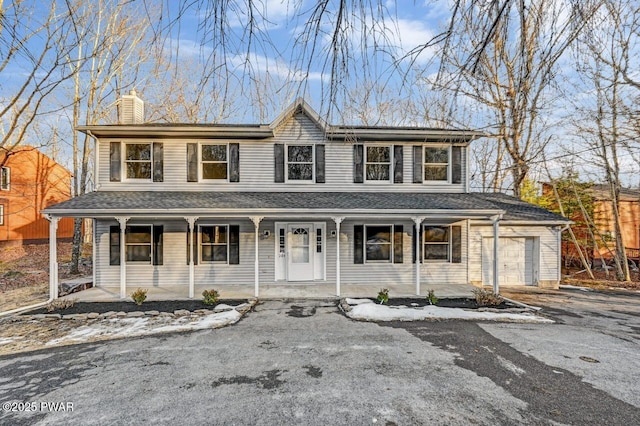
x: 515, y: 261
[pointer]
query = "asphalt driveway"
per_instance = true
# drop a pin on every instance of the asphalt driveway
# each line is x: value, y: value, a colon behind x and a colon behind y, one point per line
x: 298, y: 362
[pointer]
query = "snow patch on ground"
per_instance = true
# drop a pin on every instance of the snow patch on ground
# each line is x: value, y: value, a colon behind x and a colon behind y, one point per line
x: 7, y: 340
x: 374, y: 312
x: 129, y: 327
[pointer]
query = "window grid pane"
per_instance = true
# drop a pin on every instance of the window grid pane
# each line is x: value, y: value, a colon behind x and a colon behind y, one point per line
x: 436, y: 164
x: 214, y: 243
x: 378, y: 163
x: 138, y: 243
x: 436, y: 243
x: 378, y: 242
x: 214, y: 161
x: 300, y: 162
x: 138, y: 160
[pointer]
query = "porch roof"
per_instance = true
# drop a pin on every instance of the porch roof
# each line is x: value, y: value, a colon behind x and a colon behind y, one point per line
x: 235, y: 204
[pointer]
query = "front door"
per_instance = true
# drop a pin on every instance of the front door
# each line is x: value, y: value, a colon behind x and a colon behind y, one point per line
x: 299, y: 256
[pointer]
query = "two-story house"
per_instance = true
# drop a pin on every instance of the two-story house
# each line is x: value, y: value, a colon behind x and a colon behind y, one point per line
x: 299, y: 202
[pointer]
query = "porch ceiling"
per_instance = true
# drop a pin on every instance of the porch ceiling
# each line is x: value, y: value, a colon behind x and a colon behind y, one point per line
x: 237, y: 204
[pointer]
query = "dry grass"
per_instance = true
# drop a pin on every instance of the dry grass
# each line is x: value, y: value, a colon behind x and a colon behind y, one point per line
x: 24, y: 272
x: 602, y: 280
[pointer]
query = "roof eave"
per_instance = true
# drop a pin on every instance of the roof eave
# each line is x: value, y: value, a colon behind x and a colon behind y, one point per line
x: 214, y: 131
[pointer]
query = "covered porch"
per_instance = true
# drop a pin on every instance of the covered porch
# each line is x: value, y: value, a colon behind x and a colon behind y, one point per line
x: 316, y: 291
x: 339, y: 277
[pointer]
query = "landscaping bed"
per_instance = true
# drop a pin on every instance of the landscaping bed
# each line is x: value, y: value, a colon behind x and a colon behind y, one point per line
x: 447, y: 303
x: 127, y: 306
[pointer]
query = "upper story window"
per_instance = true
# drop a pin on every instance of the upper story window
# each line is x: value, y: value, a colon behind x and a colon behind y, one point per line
x: 300, y: 162
x: 214, y: 161
x: 138, y: 160
x: 436, y: 163
x: 378, y: 163
x: 437, y: 243
x: 5, y: 178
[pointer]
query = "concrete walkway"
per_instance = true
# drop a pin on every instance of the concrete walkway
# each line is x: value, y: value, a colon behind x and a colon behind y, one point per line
x: 291, y: 291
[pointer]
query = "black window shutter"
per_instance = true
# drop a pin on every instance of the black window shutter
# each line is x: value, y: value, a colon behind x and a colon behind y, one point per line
x: 234, y: 162
x: 456, y: 244
x: 114, y: 245
x: 192, y: 162
x: 158, y: 162
x: 234, y: 244
x: 397, y: 164
x: 397, y: 243
x: 417, y: 164
x: 115, y: 162
x: 413, y: 245
x: 320, y: 164
x: 158, y: 230
x: 278, y: 157
x: 358, y: 163
x: 358, y: 243
x: 456, y: 164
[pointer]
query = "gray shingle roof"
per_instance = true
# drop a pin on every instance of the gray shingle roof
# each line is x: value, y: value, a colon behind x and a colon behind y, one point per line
x: 164, y: 202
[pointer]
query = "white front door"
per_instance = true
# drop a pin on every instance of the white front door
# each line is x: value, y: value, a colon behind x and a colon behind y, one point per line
x: 299, y: 252
x: 515, y: 261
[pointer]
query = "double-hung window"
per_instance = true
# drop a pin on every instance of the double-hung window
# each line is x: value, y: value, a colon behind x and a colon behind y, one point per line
x: 378, y: 243
x: 378, y: 163
x: 138, y: 243
x: 300, y: 163
x: 214, y: 160
x: 138, y: 160
x: 214, y: 243
x: 437, y: 242
x: 436, y: 163
x: 1, y: 214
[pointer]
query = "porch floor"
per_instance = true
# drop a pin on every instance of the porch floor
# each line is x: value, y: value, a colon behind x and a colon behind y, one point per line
x: 181, y: 292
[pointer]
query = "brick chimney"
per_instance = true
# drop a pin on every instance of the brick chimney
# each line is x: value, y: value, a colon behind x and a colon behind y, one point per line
x: 131, y: 109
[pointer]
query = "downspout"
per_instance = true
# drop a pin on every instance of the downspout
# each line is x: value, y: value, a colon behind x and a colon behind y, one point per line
x: 496, y: 244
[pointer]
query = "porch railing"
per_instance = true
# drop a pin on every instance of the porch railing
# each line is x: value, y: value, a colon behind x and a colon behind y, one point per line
x: 632, y: 253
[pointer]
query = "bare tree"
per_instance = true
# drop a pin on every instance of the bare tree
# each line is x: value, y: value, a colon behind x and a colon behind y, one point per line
x: 607, y: 119
x: 512, y: 77
x: 34, y: 61
x: 112, y: 39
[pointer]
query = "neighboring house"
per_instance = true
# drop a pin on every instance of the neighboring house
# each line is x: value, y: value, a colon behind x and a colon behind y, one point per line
x: 629, y: 210
x: 300, y: 202
x: 29, y: 182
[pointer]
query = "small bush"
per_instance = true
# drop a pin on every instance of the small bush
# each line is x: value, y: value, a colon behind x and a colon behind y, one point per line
x: 210, y: 297
x: 431, y: 297
x: 383, y: 296
x: 139, y: 296
x: 61, y: 304
x: 486, y: 297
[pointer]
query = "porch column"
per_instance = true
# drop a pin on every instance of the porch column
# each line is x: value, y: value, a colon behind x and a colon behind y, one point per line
x: 123, y: 256
x: 338, y: 221
x: 496, y: 245
x: 191, y: 220
x: 416, y: 238
x: 53, y: 256
x: 256, y: 224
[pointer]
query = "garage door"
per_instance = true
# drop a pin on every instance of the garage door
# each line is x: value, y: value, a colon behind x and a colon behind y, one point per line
x: 515, y: 261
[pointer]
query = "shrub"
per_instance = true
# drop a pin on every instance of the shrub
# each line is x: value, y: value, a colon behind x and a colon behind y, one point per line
x: 139, y: 296
x: 431, y: 297
x: 383, y: 296
x: 486, y: 297
x: 210, y: 297
x: 61, y: 304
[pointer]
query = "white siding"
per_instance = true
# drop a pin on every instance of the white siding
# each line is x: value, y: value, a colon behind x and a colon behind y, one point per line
x: 257, y: 165
x: 545, y: 238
